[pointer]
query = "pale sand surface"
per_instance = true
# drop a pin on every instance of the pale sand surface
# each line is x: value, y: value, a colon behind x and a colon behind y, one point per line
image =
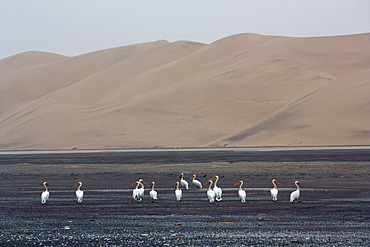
x: 243, y: 90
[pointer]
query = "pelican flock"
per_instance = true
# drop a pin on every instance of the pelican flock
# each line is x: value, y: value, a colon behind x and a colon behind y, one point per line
x: 79, y: 192
x: 213, y: 194
x: 242, y: 193
x: 274, y: 191
x: 45, y: 194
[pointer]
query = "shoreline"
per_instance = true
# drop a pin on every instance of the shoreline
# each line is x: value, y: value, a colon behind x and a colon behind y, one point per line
x: 235, y: 149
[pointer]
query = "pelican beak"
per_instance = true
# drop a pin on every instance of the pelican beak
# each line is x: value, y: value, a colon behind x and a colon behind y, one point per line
x: 49, y: 185
x: 207, y: 183
x: 146, y: 184
x: 300, y: 185
x: 276, y: 182
x: 213, y: 179
x: 133, y: 184
x: 192, y: 177
x: 75, y: 185
x: 238, y: 184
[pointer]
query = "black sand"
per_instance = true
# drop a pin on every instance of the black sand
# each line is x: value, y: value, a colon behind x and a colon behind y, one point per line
x: 334, y: 211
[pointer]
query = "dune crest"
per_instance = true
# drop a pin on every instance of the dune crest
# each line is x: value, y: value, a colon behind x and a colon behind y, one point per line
x: 242, y: 90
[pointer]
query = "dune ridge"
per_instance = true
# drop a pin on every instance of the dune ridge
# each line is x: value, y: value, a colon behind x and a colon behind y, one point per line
x: 242, y: 90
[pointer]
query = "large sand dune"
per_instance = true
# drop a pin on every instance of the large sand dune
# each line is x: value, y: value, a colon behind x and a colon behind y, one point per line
x: 243, y: 90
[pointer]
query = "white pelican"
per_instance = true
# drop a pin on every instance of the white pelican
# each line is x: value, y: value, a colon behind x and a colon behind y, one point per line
x: 295, y: 194
x: 153, y: 194
x: 178, y: 192
x: 135, y: 191
x: 274, y: 191
x: 138, y: 193
x: 79, y: 192
x: 242, y: 194
x: 210, y: 192
x: 45, y: 194
x: 196, y: 182
x: 184, y: 183
x: 217, y: 189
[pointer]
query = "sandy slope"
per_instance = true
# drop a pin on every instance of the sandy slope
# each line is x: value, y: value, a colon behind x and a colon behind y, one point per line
x: 243, y: 90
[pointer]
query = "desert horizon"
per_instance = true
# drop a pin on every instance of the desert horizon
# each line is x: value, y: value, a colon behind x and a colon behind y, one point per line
x: 240, y: 91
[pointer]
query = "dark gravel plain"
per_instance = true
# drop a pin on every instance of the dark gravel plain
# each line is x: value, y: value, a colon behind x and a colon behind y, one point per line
x: 335, y: 208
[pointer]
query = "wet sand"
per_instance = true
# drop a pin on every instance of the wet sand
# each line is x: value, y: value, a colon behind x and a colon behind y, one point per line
x: 334, y: 208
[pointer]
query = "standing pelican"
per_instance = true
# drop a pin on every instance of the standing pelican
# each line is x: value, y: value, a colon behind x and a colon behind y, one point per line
x: 295, y: 194
x: 184, y: 183
x: 217, y: 189
x: 79, y: 192
x: 135, y: 191
x: 242, y: 194
x: 153, y: 194
x: 274, y: 191
x: 178, y: 192
x: 138, y: 193
x: 45, y: 194
x: 210, y: 192
x: 196, y: 182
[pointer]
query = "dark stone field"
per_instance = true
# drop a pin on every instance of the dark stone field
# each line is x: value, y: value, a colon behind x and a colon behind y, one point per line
x: 334, y: 208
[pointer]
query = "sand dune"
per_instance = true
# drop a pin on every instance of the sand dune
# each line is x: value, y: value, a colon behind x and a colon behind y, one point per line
x: 243, y: 90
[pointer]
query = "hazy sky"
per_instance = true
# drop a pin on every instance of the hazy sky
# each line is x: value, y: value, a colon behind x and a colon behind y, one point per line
x: 73, y: 27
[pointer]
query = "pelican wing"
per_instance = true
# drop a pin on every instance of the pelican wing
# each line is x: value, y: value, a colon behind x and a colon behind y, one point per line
x: 178, y: 194
x: 211, y: 196
x: 294, y: 195
x: 44, y: 197
x: 184, y: 184
x: 242, y: 195
x: 218, y: 192
x: 274, y: 194
x: 197, y: 183
x: 153, y: 194
x: 79, y: 195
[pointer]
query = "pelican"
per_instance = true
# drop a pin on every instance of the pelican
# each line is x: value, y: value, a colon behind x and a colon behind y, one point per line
x: 274, y: 191
x: 217, y: 190
x: 184, y: 183
x: 178, y: 192
x: 135, y: 192
x: 242, y: 194
x: 210, y: 192
x: 196, y: 182
x: 79, y: 192
x: 138, y: 193
x: 153, y: 194
x: 45, y: 194
x: 295, y: 194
